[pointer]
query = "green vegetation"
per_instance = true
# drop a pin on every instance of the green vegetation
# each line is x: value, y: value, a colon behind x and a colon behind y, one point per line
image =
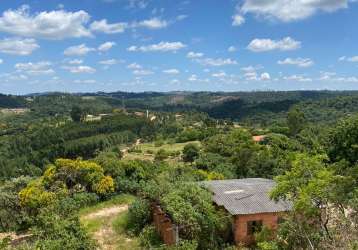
x: 75, y: 183
x: 107, y: 223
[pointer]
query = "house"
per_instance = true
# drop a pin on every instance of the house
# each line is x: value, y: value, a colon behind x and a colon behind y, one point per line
x: 248, y: 201
x: 258, y: 138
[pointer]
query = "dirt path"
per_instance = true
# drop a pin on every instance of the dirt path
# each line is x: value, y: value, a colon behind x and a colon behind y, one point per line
x: 105, y: 235
x: 125, y: 150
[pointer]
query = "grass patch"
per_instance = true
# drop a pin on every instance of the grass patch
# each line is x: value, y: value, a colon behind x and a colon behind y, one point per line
x: 92, y: 225
x: 168, y: 147
x: 125, y: 240
x: 110, y: 232
x: 149, y: 150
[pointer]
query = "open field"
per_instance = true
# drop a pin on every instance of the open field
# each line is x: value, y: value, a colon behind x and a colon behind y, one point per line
x: 147, y: 151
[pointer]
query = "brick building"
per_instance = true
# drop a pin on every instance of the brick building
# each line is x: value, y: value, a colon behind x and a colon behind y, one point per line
x: 248, y: 201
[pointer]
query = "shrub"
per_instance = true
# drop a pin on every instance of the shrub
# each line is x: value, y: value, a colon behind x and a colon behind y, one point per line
x: 35, y: 196
x: 12, y: 216
x: 54, y: 232
x: 161, y: 155
x: 104, y: 186
x: 190, y: 152
x: 149, y: 238
x: 184, y: 245
x: 139, y: 214
x: 69, y: 205
x: 150, y: 151
x: 158, y: 143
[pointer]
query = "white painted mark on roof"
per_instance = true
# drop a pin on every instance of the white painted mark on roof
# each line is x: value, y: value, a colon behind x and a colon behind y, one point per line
x: 234, y: 191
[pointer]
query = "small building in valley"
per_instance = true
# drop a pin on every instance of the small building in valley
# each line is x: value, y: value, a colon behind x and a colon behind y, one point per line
x: 248, y: 201
x: 258, y: 138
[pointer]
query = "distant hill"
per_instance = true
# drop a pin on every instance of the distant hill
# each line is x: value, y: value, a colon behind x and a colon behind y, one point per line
x: 10, y: 101
x: 261, y: 107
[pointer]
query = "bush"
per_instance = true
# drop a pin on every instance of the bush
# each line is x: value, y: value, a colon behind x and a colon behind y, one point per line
x: 126, y: 185
x: 161, y: 155
x: 139, y: 214
x: 68, y: 205
x: 54, y: 232
x: 150, y: 151
x: 158, y: 143
x: 190, y: 152
x: 149, y: 238
x: 12, y: 216
x: 184, y: 245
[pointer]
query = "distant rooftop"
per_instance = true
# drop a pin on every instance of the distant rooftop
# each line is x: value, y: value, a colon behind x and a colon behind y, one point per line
x: 246, y: 196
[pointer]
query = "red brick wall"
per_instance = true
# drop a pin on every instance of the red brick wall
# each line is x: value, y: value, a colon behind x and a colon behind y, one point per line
x: 270, y: 220
x: 164, y: 225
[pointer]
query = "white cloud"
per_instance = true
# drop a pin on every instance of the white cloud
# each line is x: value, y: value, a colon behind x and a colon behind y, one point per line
x: 153, y: 23
x: 140, y: 4
x: 216, y: 62
x: 194, y: 78
x: 79, y: 50
x: 75, y: 61
x: 265, y: 76
x: 219, y: 74
x: 57, y: 24
x: 352, y: 59
x: 250, y: 75
x: 326, y: 75
x: 181, y: 17
x: 232, y: 49
x: 237, y: 20
x: 298, y: 78
x: 1, y: 61
x: 174, y: 81
x: 159, y: 47
x: 134, y: 66
x: 348, y: 59
x: 192, y: 54
x: 39, y: 68
x: 87, y: 81
x: 349, y: 79
x: 109, y: 62
x: 332, y: 76
x: 107, y: 28
x: 80, y: 69
x: 171, y: 71
x: 287, y: 10
x: 249, y: 68
x: 142, y: 72
x: 106, y: 46
x: 13, y: 77
x: 262, y: 45
x: 300, y: 62
x: 17, y: 46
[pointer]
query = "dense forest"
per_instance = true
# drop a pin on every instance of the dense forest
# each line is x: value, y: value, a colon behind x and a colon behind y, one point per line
x: 63, y: 156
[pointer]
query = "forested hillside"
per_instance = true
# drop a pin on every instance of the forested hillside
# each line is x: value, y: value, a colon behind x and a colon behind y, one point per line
x: 75, y: 166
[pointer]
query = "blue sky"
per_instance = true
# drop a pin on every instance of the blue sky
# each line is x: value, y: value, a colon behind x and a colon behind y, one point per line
x: 166, y: 45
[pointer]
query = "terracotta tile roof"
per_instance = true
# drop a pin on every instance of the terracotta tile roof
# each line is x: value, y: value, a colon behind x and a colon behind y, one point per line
x: 259, y: 138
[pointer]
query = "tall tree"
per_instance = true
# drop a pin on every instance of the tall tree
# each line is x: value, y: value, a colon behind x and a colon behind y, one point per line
x: 76, y: 113
x: 296, y: 121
